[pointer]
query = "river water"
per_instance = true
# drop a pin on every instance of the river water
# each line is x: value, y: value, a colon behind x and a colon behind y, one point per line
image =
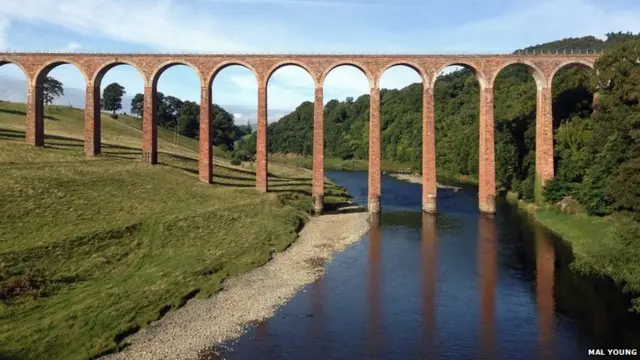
x: 459, y: 285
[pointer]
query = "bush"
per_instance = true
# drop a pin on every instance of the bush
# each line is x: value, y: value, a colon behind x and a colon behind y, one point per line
x: 527, y: 188
x: 236, y: 162
x: 556, y: 189
x: 241, y: 155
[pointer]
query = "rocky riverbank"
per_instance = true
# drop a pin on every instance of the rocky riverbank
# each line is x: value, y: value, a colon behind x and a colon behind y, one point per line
x: 417, y: 179
x: 201, y: 324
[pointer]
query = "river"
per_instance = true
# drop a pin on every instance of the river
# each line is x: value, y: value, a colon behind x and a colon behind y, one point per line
x: 459, y: 285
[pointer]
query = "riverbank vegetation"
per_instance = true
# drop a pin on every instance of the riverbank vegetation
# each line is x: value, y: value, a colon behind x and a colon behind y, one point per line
x: 598, y: 182
x: 92, y: 250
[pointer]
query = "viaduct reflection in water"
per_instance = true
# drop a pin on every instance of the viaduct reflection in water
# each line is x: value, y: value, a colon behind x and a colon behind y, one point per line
x: 487, y: 264
x: 429, y: 281
x: 374, y: 329
x: 545, y: 279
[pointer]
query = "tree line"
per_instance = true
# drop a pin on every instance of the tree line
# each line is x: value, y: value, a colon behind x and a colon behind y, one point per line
x: 596, y: 146
x: 172, y: 112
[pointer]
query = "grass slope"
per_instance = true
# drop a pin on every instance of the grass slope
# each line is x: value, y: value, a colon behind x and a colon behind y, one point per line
x: 91, y: 250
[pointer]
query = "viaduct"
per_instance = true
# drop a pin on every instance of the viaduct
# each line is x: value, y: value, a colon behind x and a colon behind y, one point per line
x: 543, y: 67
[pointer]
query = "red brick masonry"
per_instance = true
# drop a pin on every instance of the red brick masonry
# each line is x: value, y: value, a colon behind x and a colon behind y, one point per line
x: 486, y: 67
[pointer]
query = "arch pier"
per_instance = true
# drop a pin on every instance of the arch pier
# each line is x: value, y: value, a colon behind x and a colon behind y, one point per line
x: 150, y: 66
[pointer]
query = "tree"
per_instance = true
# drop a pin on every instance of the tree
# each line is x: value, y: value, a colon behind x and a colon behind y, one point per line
x: 112, y: 97
x: 187, y: 120
x: 51, y: 89
x: 173, y: 106
x: 223, y: 128
x: 137, y: 105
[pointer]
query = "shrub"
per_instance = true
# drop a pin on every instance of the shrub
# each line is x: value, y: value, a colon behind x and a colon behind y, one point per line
x: 556, y: 189
x: 527, y: 187
x: 236, y: 162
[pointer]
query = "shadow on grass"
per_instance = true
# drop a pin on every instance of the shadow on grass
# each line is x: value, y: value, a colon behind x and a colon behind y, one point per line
x: 289, y: 183
x: 6, y: 134
x: 232, y: 184
x: 5, y: 356
x: 296, y: 191
x: 22, y: 113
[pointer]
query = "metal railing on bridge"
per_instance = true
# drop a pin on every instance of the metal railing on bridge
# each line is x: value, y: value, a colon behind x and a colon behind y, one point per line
x: 558, y: 51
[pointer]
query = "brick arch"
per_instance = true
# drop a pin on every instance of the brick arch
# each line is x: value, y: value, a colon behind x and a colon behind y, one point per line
x: 536, y: 72
x: 480, y: 76
x: 212, y: 75
x: 355, y: 64
x: 155, y: 76
x: 104, y: 68
x: 45, y: 69
x: 284, y: 63
x: 5, y: 61
x: 581, y: 63
x: 417, y: 68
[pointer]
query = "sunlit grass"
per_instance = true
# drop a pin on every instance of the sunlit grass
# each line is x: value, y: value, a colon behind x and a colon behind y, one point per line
x: 92, y: 249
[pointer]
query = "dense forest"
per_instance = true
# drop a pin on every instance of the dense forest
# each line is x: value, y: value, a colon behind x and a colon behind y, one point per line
x: 596, y: 152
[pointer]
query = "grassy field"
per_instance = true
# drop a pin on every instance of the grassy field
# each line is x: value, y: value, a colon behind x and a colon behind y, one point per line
x: 602, y: 246
x: 92, y: 250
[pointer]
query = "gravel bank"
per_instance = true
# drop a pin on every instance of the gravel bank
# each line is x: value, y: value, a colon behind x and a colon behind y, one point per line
x: 254, y: 296
x: 417, y: 179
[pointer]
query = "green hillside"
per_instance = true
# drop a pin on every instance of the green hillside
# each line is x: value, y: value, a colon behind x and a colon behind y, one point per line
x: 94, y: 249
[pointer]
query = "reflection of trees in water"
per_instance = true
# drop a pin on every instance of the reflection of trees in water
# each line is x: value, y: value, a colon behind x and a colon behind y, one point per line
x: 597, y: 302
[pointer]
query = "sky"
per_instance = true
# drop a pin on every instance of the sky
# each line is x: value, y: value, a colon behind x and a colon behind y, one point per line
x: 293, y: 26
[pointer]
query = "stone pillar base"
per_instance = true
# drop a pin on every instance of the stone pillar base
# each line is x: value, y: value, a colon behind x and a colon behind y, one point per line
x: 374, y: 204
x: 488, y: 206
x: 318, y: 203
x: 149, y: 157
x: 429, y: 205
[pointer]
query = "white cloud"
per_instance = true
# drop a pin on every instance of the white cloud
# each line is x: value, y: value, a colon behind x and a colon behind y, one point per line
x: 71, y: 47
x: 161, y: 24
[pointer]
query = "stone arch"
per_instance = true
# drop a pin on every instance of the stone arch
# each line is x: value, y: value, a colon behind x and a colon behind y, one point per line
x: 155, y: 76
x: 212, y: 75
x: 417, y: 68
x: 581, y: 63
x: 5, y: 61
x: 284, y: 63
x: 355, y: 64
x: 480, y: 76
x: 104, y: 68
x: 536, y: 72
x: 45, y: 69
